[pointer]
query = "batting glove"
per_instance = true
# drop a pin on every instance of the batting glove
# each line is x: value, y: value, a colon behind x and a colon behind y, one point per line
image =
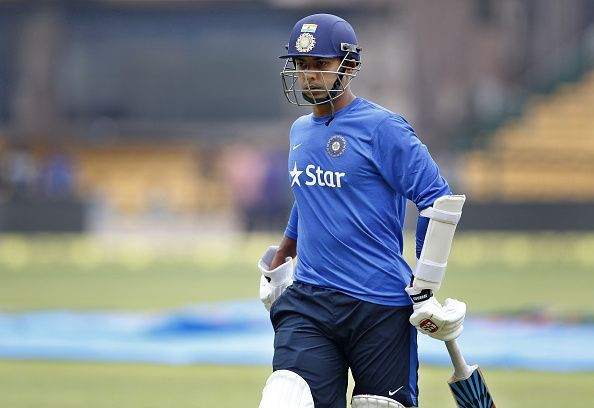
x: 273, y: 282
x: 431, y: 318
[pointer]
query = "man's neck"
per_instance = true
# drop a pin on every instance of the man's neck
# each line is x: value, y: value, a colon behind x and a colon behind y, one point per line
x: 341, y: 102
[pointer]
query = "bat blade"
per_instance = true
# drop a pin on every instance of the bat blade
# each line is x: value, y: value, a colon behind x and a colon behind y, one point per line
x: 472, y: 391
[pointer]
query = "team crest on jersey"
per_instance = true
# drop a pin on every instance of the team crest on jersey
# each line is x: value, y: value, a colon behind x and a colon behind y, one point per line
x: 336, y: 146
x: 305, y: 42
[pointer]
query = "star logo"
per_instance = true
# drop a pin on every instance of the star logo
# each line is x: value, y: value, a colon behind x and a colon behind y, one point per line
x: 295, y: 174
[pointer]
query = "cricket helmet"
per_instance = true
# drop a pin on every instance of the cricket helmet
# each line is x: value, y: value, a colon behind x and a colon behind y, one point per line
x: 320, y: 36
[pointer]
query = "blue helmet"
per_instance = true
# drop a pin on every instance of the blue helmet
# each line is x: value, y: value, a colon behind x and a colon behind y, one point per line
x: 320, y: 36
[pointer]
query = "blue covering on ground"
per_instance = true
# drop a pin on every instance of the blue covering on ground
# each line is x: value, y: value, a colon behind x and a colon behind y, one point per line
x: 240, y: 333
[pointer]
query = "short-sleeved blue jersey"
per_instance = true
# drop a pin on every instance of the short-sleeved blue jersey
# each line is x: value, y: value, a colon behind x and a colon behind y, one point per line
x: 351, y: 180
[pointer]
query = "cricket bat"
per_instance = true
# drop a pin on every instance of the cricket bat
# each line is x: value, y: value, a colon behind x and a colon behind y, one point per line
x: 467, y: 383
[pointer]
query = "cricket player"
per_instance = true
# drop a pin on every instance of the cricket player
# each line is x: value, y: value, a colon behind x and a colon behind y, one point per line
x: 352, y: 301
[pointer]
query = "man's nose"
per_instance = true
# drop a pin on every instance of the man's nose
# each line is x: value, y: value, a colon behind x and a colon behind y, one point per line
x: 310, y: 74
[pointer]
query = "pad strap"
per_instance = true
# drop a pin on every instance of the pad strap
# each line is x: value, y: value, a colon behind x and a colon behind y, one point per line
x: 441, y: 215
x: 430, y: 271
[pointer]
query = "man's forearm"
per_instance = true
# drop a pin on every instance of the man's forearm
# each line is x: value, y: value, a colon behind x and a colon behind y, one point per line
x: 286, y: 248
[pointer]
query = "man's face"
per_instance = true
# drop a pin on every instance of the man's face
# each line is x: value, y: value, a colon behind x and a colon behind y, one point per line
x: 315, y: 84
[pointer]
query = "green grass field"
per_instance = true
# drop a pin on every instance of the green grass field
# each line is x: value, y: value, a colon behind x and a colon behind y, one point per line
x: 493, y: 273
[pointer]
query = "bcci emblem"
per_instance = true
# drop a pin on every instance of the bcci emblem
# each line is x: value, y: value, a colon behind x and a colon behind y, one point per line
x: 336, y: 146
x: 305, y: 42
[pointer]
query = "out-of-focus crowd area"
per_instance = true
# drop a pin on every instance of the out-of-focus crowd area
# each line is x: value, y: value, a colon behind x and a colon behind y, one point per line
x: 152, y: 112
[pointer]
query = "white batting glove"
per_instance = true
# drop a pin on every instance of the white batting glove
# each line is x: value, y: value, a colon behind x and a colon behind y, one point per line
x: 431, y: 318
x: 274, y: 282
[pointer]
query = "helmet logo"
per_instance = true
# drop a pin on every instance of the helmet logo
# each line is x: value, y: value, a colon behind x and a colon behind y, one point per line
x: 305, y: 42
x: 309, y: 28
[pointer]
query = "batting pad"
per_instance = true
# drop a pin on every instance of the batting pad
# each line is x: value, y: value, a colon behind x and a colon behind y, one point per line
x: 286, y: 389
x: 374, y: 401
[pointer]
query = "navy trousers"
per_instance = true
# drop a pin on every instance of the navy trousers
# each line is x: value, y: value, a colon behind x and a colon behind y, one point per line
x: 321, y: 333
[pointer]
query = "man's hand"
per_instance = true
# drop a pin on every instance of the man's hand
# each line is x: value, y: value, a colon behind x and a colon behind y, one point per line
x: 273, y: 282
x: 430, y: 317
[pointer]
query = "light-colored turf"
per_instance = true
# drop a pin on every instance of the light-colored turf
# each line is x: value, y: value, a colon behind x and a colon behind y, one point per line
x: 491, y: 272
x: 75, y: 385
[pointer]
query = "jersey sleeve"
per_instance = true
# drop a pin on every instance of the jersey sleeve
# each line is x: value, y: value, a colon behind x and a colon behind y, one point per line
x: 421, y: 231
x: 291, y: 230
x: 405, y: 163
x: 407, y: 166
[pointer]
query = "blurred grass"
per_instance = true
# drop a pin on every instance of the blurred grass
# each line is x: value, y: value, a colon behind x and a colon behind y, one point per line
x: 74, y: 385
x: 491, y: 272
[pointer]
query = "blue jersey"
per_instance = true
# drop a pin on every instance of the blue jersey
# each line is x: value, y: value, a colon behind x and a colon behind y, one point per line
x: 351, y: 180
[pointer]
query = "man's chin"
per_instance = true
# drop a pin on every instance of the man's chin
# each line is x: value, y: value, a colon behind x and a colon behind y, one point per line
x: 319, y: 100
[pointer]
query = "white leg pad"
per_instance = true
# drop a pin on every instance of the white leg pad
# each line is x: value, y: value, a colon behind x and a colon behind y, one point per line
x: 286, y: 389
x: 374, y: 401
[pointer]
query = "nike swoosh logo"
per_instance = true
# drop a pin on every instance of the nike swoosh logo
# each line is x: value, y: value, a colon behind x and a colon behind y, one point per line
x: 394, y: 392
x: 297, y: 145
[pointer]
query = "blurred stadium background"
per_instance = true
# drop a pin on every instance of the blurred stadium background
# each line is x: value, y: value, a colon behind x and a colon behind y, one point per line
x: 143, y: 158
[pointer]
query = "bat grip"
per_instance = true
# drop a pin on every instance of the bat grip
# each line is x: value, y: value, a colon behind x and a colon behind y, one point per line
x: 461, y: 369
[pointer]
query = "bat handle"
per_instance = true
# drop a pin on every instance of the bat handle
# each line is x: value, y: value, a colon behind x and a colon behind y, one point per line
x: 461, y: 369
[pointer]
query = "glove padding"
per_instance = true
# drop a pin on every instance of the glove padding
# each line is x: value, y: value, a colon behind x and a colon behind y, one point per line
x: 440, y: 322
x: 273, y: 282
